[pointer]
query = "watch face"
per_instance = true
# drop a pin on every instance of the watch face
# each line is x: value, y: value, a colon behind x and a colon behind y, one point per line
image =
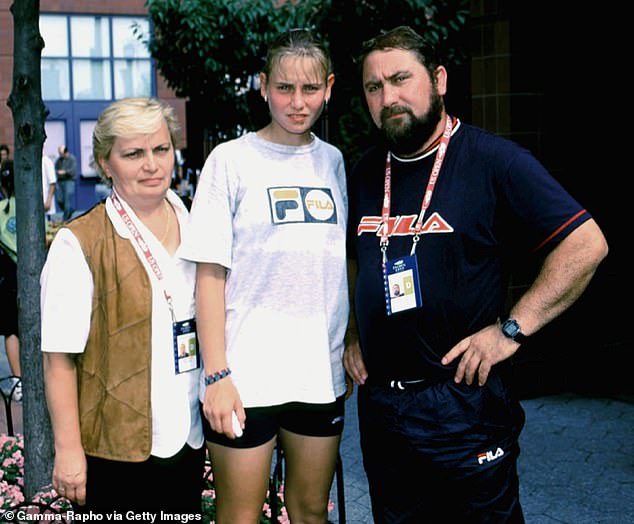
x: 510, y: 328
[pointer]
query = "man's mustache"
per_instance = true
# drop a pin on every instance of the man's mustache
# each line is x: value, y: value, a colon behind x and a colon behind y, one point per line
x: 387, y: 112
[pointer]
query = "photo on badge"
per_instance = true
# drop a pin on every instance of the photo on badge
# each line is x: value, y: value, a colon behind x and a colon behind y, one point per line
x: 186, y: 356
x: 402, y: 294
x: 402, y: 288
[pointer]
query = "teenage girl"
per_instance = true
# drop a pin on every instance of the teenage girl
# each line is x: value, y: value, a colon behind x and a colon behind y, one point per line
x: 268, y: 229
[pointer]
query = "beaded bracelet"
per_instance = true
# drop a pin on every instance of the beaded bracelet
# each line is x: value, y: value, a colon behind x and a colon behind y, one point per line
x: 216, y: 376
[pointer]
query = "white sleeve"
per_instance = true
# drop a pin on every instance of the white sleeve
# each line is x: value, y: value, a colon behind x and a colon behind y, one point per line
x: 66, y: 296
x: 209, y: 233
x: 50, y: 174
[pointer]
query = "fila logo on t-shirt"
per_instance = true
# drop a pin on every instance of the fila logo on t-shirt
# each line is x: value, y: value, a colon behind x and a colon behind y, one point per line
x: 302, y: 204
x: 403, y: 225
x: 489, y: 456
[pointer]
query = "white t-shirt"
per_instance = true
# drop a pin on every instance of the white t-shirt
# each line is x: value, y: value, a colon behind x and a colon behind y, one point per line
x: 66, y: 302
x: 48, y: 177
x: 275, y: 217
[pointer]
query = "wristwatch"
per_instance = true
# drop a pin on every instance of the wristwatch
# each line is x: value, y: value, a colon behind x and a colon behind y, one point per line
x: 511, y: 329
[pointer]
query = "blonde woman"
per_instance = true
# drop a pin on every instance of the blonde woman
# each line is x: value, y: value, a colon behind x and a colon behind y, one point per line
x: 116, y: 301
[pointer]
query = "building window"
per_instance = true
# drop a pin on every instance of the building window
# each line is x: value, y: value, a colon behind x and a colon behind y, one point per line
x: 94, y: 58
x: 55, y: 71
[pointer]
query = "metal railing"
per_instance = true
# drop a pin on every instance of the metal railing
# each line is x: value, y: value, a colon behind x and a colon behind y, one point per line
x: 8, y: 396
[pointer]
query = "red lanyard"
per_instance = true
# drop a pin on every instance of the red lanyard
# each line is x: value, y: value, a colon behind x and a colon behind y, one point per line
x: 140, y: 241
x: 429, y: 191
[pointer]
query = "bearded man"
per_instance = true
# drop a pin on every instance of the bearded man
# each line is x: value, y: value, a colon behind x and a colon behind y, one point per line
x: 443, y: 207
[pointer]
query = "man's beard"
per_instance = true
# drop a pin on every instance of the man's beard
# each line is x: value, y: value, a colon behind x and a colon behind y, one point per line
x: 406, y: 135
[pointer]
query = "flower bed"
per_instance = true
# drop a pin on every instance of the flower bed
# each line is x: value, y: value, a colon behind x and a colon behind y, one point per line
x: 48, y: 501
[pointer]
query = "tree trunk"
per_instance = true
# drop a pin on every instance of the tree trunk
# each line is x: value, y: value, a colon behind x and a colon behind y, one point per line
x: 29, y: 114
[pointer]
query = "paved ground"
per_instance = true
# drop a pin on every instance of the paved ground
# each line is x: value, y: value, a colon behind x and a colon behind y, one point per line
x: 576, y: 466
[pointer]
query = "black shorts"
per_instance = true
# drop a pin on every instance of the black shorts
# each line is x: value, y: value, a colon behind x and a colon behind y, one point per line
x: 263, y: 423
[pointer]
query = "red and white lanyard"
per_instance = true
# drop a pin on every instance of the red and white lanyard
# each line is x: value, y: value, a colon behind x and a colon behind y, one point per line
x: 429, y: 191
x: 140, y: 242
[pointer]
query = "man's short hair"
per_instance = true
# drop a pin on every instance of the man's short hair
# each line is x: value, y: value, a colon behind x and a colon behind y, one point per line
x: 405, y: 38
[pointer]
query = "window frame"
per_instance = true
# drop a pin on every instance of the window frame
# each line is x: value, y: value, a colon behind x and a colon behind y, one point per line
x: 109, y: 58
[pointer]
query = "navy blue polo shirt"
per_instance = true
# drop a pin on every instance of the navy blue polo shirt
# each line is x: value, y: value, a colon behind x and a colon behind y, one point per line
x: 493, y: 201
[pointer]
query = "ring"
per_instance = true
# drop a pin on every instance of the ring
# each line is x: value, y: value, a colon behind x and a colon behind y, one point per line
x: 62, y: 490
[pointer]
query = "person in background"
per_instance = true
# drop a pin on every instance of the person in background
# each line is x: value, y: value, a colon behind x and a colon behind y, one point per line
x: 65, y: 170
x: 269, y: 216
x: 49, y: 185
x: 8, y: 276
x: 448, y: 206
x: 49, y: 180
x: 116, y: 301
x: 5, y: 153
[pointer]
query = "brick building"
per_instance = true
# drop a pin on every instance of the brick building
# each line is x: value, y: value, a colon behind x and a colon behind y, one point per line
x: 551, y: 76
x: 91, y: 57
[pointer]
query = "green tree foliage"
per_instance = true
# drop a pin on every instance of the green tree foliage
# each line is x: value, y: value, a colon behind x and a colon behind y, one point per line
x: 211, y: 51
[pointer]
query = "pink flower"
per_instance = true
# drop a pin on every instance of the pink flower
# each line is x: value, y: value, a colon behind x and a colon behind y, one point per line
x: 15, y: 493
x: 283, y: 518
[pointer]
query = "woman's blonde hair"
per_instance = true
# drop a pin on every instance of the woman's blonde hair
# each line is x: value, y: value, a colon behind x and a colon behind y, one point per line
x: 126, y: 118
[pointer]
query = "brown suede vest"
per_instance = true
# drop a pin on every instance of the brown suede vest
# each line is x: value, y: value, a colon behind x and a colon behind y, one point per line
x: 114, y: 370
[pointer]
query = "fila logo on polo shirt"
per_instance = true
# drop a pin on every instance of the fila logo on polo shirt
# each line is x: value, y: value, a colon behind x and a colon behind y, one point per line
x: 302, y: 205
x: 490, y: 456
